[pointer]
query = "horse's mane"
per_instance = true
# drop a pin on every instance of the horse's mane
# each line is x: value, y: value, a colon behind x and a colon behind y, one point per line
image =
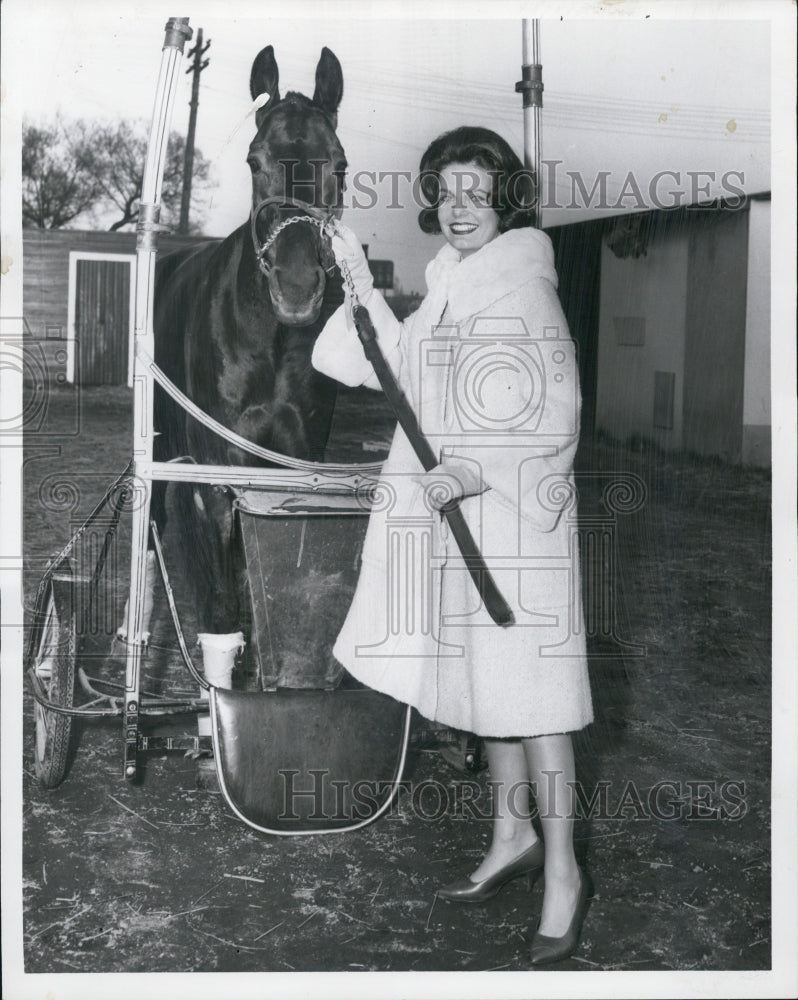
x: 296, y: 98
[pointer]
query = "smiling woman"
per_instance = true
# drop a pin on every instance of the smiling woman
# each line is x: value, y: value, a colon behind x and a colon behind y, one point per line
x: 476, y: 186
x: 465, y: 215
x: 489, y: 368
x: 411, y: 78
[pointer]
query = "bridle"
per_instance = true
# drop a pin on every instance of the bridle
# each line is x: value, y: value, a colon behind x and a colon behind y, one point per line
x: 325, y: 221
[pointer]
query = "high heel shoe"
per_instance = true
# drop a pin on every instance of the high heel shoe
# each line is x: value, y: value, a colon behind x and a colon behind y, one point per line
x: 465, y: 890
x: 547, y: 949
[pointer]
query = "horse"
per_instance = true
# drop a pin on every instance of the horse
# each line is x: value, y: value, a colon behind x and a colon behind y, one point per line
x: 235, y: 322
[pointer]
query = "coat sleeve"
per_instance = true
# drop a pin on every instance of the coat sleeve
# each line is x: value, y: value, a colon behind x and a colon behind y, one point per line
x: 339, y: 353
x: 520, y: 428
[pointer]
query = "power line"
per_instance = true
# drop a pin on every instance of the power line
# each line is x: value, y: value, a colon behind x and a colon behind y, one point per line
x: 651, y: 118
x: 563, y: 109
x: 668, y: 125
x: 449, y: 89
x: 586, y: 100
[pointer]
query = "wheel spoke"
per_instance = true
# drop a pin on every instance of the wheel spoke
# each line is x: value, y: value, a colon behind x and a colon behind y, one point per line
x: 54, y: 665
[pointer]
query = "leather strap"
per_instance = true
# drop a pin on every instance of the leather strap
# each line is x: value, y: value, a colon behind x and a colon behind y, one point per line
x: 494, y: 602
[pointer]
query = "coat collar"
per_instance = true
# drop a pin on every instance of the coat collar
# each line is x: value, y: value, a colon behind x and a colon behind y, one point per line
x: 471, y: 284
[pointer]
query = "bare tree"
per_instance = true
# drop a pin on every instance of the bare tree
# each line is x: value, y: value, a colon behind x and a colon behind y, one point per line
x: 79, y: 168
x: 117, y: 162
x: 58, y: 184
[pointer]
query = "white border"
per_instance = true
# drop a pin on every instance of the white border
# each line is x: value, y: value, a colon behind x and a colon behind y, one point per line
x: 782, y: 980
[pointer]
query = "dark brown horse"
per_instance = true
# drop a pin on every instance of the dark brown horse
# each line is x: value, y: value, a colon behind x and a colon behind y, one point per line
x: 236, y: 332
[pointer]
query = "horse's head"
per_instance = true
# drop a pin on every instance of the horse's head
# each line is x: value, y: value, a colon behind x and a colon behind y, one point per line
x: 295, y: 157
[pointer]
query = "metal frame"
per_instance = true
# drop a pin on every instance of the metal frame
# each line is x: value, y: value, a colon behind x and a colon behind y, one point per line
x: 531, y: 88
x: 177, y: 33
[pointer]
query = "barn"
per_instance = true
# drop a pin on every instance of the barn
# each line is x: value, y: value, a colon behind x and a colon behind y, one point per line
x: 671, y: 313
x: 78, y: 289
x: 78, y: 295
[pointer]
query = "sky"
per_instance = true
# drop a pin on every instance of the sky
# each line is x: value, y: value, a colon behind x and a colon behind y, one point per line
x: 625, y: 97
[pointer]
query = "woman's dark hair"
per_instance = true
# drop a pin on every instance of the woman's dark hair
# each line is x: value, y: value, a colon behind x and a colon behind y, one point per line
x: 513, y: 189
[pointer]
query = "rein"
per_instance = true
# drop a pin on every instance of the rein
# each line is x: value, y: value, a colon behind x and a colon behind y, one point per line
x: 495, y: 604
x: 315, y: 217
x: 275, y: 457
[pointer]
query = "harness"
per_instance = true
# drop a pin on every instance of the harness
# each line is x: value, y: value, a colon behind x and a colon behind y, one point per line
x: 324, y: 221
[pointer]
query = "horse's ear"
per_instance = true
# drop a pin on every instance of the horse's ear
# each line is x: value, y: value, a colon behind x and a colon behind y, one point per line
x: 265, y: 76
x: 329, y: 83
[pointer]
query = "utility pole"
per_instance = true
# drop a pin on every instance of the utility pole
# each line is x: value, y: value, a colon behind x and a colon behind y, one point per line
x: 188, y: 165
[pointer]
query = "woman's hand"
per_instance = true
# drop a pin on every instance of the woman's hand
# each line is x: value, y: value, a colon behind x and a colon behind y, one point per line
x: 350, y: 257
x: 449, y: 482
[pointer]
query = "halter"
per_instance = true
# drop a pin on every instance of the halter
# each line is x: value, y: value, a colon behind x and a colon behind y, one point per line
x: 324, y: 221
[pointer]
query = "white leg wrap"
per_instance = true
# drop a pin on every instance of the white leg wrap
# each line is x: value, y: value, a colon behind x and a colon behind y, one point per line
x: 219, y: 653
x: 218, y: 656
x: 149, y: 585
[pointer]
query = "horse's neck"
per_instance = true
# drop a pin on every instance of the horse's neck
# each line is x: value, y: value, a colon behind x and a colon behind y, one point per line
x: 255, y: 321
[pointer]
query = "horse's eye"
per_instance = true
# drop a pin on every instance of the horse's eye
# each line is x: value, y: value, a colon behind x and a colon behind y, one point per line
x: 254, y: 164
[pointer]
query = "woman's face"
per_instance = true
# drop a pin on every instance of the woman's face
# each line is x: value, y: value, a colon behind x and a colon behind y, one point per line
x: 466, y: 218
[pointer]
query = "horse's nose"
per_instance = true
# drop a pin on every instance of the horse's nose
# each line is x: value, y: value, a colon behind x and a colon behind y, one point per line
x: 296, y: 298
x: 295, y: 288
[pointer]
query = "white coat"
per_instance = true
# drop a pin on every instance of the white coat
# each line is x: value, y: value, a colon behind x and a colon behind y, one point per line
x: 490, y: 370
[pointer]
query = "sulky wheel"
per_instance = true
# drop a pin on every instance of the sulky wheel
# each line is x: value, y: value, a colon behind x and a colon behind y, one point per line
x: 53, y: 659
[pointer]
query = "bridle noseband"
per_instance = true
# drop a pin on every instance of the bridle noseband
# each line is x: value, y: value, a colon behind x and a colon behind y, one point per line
x: 325, y: 222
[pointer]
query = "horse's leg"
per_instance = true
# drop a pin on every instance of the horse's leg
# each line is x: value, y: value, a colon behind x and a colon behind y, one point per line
x: 205, y: 518
x: 160, y: 453
x: 158, y: 514
x: 149, y: 586
x: 213, y: 566
x: 317, y: 427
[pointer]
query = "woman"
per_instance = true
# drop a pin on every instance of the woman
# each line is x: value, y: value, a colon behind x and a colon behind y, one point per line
x: 489, y: 368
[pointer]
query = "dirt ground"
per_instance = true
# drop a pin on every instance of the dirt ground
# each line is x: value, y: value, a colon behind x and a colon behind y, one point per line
x: 160, y: 875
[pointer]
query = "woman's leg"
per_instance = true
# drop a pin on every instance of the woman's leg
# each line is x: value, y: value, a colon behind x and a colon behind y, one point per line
x: 513, y: 832
x: 550, y: 764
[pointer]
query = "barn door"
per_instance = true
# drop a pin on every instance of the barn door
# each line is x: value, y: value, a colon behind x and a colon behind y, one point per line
x: 102, y: 301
